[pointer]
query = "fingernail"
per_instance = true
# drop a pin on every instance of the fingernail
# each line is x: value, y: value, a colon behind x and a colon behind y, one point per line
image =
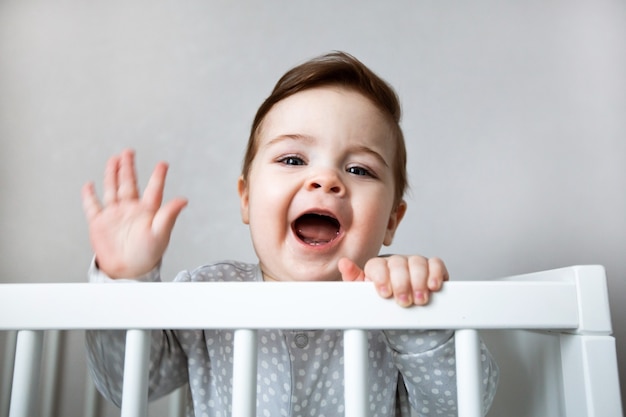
x: 403, y: 299
x: 384, y: 290
x: 420, y: 297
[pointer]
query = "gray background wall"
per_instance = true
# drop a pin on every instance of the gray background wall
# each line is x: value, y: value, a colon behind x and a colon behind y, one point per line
x: 514, y: 113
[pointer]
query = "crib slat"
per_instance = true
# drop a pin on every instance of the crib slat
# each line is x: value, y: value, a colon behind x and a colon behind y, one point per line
x: 244, y: 373
x: 51, y: 356
x: 136, y: 363
x: 468, y: 375
x: 7, y: 372
x: 26, y: 373
x: 355, y: 370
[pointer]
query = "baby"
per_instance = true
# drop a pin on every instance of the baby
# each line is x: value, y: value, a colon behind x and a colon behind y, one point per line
x: 322, y: 190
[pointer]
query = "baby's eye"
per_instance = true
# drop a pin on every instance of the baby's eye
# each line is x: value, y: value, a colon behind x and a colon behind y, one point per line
x: 291, y: 160
x: 357, y: 170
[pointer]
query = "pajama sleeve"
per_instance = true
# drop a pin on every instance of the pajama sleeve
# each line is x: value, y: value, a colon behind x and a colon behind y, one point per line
x: 426, y: 361
x: 106, y: 348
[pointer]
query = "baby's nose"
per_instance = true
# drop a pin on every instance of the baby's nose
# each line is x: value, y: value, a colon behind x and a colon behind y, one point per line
x: 327, y: 182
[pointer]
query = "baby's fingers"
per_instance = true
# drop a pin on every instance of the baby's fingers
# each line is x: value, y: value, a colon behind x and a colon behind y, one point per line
x: 165, y: 218
x: 110, y: 180
x: 437, y: 274
x: 350, y: 271
x: 91, y: 204
x: 400, y: 277
x: 127, y: 178
x: 377, y: 271
x: 410, y: 279
x: 153, y: 195
x: 419, y: 272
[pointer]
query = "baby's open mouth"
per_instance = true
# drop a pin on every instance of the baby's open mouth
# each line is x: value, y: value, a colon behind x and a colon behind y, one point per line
x: 316, y: 229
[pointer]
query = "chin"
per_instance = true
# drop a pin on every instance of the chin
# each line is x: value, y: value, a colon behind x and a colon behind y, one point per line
x: 306, y: 272
x: 317, y: 274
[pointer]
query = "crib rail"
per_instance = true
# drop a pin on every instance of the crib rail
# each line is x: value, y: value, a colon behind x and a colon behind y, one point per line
x: 219, y: 305
x: 571, y: 300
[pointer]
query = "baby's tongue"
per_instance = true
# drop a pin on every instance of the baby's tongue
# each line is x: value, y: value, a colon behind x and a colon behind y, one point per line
x: 315, y: 229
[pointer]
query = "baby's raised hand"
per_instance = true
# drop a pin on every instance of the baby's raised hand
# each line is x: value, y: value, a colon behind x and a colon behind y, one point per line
x: 129, y: 233
x: 409, y: 279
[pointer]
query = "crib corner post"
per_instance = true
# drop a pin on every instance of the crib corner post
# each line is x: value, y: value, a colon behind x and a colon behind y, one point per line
x: 591, y: 385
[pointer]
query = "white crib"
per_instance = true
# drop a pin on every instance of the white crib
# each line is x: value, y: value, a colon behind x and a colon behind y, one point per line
x: 559, y: 316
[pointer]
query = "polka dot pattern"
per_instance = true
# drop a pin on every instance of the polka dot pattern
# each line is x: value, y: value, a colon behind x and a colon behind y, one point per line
x: 300, y: 372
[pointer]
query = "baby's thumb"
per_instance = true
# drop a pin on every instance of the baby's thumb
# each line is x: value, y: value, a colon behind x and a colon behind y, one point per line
x: 350, y: 271
x: 165, y: 218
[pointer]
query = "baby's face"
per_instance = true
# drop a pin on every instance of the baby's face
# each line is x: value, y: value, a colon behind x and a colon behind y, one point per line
x: 321, y: 186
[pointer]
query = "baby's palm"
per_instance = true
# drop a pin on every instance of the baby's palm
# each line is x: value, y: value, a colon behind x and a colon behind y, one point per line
x: 129, y: 233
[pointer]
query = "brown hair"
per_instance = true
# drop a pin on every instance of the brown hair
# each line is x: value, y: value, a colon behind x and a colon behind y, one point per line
x: 344, y: 70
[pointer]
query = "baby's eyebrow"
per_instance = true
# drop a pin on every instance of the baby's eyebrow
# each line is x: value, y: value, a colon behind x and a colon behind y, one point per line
x: 293, y: 137
x: 370, y: 151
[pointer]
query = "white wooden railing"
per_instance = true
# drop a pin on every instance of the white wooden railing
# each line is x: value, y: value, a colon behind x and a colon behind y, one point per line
x: 572, y: 301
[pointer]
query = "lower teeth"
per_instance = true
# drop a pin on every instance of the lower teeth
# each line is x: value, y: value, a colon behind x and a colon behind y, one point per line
x: 315, y: 242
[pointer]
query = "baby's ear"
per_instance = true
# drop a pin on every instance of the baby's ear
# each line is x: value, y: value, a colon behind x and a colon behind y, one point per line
x: 242, y: 189
x: 394, y: 221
